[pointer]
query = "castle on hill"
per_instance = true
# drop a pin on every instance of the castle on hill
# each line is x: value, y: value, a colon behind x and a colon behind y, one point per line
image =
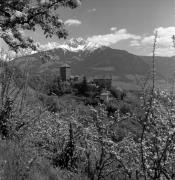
x: 65, y: 72
x: 102, y: 80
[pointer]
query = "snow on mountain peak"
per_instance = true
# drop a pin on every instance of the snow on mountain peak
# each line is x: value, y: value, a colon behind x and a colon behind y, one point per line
x: 73, y: 45
x: 79, y: 44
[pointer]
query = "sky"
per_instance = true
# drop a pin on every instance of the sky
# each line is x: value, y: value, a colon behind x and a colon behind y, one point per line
x: 121, y: 24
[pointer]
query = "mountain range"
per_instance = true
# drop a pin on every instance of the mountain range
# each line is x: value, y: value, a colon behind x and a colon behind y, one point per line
x: 90, y: 59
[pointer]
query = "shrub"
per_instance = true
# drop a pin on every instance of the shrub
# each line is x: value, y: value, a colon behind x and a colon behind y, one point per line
x: 47, y: 83
x: 67, y: 157
x: 91, y: 101
x: 125, y: 108
x: 5, y: 114
x: 50, y: 102
x: 66, y: 88
x: 111, y: 109
x: 21, y: 163
x: 17, y: 161
x: 118, y: 94
x: 82, y: 87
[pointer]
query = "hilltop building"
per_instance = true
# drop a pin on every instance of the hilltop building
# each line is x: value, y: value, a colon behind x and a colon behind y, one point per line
x: 65, y: 72
x: 102, y: 81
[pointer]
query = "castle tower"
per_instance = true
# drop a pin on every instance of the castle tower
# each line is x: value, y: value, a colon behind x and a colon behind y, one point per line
x: 65, y: 72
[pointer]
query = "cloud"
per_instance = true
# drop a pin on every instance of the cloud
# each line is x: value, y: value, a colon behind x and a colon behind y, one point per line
x: 143, y: 43
x: 113, y: 38
x: 73, y: 22
x: 92, y: 10
x: 147, y: 40
x: 101, y: 40
x: 164, y: 37
x: 48, y: 46
x: 167, y: 51
x: 113, y: 28
x: 164, y: 41
x: 134, y: 43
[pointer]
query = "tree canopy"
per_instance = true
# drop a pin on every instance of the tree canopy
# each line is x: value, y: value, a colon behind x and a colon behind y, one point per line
x: 16, y: 16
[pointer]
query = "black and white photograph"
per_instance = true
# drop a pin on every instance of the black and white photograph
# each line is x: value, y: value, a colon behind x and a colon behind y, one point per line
x: 87, y: 89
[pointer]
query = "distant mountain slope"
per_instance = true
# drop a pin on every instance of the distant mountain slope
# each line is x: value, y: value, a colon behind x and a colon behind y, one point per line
x: 110, y: 61
x: 87, y: 59
x: 90, y: 60
x: 164, y: 65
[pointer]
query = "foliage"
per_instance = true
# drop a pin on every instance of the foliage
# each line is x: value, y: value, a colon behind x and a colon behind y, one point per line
x: 65, y: 140
x: 82, y: 87
x: 157, y: 137
x: 5, y: 115
x: 20, y: 162
x: 118, y: 94
x: 67, y: 159
x: 125, y: 108
x: 92, y: 101
x: 19, y: 16
x: 55, y: 87
x: 46, y: 83
x: 50, y: 102
x: 84, y: 142
x: 111, y: 109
